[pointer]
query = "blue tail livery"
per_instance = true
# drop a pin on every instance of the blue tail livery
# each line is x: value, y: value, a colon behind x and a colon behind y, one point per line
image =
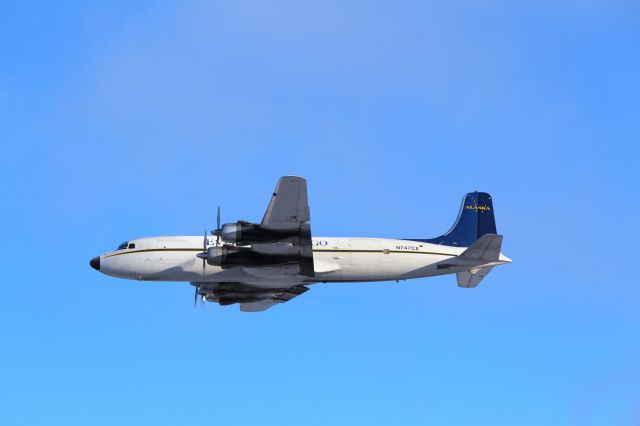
x: 474, y: 220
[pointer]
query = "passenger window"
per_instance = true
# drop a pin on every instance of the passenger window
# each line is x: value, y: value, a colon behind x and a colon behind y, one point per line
x: 132, y: 246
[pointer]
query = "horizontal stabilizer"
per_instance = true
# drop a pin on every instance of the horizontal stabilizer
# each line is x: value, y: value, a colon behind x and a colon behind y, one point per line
x: 482, y: 253
x: 471, y: 278
x: 486, y: 249
x: 475, y: 263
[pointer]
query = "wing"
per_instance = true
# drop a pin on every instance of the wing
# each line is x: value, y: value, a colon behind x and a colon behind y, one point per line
x: 276, y: 297
x: 289, y: 206
x: 288, y: 211
x: 251, y: 299
x: 486, y: 248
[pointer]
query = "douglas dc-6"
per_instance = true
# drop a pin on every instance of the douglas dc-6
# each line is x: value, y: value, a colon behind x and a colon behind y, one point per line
x: 260, y: 265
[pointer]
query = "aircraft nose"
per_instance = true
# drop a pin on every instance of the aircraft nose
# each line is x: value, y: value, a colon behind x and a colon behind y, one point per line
x: 95, y: 263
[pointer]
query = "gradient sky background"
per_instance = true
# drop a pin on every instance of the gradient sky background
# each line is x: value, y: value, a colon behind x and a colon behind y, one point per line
x: 121, y: 120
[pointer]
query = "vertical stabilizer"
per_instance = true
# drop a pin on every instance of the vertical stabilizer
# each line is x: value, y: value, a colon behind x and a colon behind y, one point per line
x: 474, y: 220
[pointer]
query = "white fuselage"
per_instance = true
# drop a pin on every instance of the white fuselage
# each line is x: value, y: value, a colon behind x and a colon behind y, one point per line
x: 335, y: 259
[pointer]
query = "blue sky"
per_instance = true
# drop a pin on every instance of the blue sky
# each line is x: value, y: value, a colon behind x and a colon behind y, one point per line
x: 122, y: 120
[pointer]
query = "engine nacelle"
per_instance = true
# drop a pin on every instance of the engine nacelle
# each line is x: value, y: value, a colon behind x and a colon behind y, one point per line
x: 277, y: 249
x: 231, y: 232
x: 227, y: 255
x: 243, y: 232
x: 262, y: 254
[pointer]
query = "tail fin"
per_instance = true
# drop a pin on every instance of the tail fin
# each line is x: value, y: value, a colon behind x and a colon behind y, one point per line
x: 474, y: 220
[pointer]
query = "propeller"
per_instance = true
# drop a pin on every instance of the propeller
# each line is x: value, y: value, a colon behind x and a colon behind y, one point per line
x: 203, y: 255
x: 218, y: 231
x: 195, y: 297
x: 204, y: 250
x: 218, y: 226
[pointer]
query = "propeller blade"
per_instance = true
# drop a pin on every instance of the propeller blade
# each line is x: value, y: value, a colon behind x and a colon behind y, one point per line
x: 218, y: 228
x: 195, y: 298
x: 204, y: 248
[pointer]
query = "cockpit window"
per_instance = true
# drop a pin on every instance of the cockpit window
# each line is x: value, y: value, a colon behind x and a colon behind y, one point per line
x: 123, y: 245
x: 132, y: 246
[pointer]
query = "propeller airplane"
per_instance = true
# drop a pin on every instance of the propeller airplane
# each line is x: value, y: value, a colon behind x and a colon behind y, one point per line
x: 260, y: 265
